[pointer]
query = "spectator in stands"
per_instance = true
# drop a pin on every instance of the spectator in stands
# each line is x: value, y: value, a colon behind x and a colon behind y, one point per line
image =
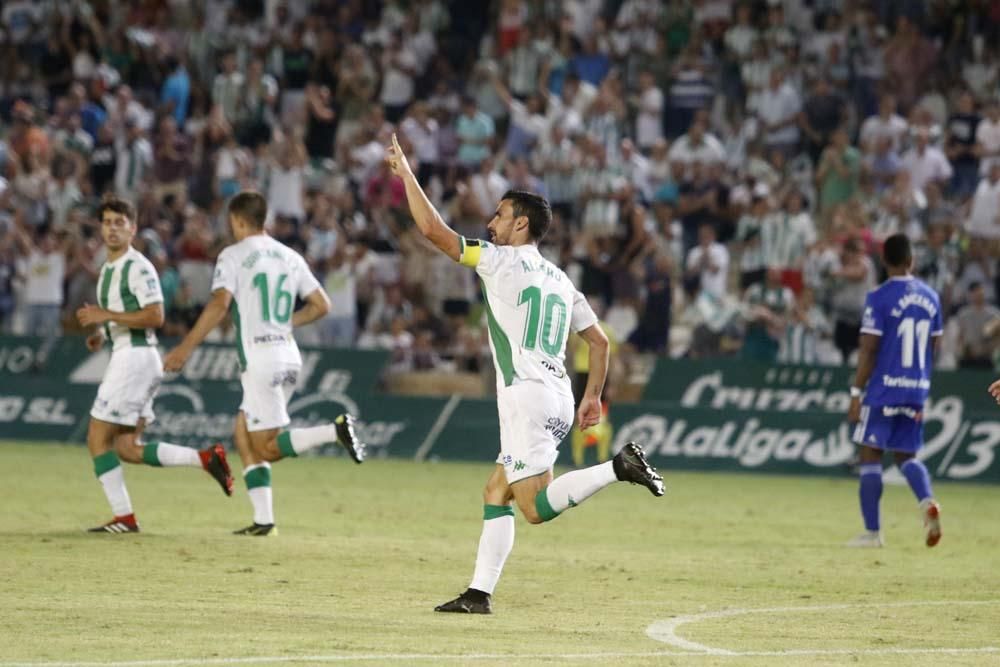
x: 838, y: 172
x: 804, y: 333
x: 977, y: 330
x: 851, y: 282
x: 176, y: 92
x: 887, y: 124
x: 42, y: 271
x: 926, y: 163
x: 697, y: 144
x: 707, y: 263
x: 768, y: 305
x: 648, y: 103
x: 475, y: 131
x: 778, y: 112
x: 823, y: 112
x: 960, y: 145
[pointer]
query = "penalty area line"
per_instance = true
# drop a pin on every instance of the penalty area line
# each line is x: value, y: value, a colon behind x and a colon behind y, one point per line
x: 403, y: 657
x: 666, y: 630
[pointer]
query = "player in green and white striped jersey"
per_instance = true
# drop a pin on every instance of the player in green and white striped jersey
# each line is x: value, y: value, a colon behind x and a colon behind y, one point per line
x: 257, y: 279
x: 130, y: 308
x: 531, y: 307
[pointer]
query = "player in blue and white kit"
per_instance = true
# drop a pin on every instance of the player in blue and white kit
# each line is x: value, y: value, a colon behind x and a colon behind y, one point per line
x: 899, y: 333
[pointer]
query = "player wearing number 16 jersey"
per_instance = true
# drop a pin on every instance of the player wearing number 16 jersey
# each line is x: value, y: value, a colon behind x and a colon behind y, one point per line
x: 531, y: 307
x: 899, y: 333
x: 257, y: 279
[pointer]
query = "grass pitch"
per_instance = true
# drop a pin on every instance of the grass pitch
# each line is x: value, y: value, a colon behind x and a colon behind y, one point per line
x: 365, y: 552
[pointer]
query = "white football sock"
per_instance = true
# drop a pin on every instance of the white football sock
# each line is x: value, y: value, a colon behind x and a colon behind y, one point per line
x: 168, y: 455
x: 113, y: 482
x: 297, y: 440
x: 495, y: 545
x: 574, y: 487
x: 258, y: 479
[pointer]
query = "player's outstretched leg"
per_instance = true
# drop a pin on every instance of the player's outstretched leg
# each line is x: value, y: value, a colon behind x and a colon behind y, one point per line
x: 919, y: 480
x: 572, y: 488
x: 297, y: 440
x: 164, y: 454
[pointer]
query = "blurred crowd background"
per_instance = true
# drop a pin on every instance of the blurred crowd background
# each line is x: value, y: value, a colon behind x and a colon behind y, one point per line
x: 722, y: 173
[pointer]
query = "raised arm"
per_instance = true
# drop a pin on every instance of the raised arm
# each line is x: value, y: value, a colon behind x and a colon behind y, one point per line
x: 424, y: 214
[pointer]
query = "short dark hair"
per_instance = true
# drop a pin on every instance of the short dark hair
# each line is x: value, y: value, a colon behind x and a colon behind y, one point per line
x: 535, y: 207
x: 251, y: 206
x: 116, y: 205
x: 896, y: 251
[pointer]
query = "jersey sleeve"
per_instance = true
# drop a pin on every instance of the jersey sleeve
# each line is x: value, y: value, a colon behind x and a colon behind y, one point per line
x: 225, y: 273
x: 483, y: 256
x: 872, y: 320
x: 145, y: 285
x: 583, y: 316
x: 307, y: 281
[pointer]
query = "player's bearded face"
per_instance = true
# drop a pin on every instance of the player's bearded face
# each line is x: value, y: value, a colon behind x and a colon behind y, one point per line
x: 501, y: 226
x: 116, y: 230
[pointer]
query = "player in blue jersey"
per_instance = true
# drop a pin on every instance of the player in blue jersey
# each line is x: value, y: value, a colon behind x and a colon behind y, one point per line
x: 900, y: 330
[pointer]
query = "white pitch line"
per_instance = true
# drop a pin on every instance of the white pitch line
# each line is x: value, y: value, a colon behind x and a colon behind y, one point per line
x: 392, y: 657
x: 666, y: 630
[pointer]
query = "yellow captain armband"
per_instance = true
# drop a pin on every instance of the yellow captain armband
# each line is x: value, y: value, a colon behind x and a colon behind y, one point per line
x: 471, y: 250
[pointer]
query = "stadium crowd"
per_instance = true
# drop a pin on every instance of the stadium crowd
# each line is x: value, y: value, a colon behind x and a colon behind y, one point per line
x: 721, y: 172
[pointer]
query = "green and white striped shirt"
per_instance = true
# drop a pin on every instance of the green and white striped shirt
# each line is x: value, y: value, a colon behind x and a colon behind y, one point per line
x: 785, y: 238
x: 128, y: 284
x: 799, y: 344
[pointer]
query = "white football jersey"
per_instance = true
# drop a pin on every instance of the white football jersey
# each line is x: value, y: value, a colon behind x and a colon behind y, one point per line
x: 128, y: 284
x: 531, y: 307
x: 264, y: 277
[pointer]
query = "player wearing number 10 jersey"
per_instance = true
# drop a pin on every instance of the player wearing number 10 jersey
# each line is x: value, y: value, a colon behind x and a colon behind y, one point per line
x: 257, y: 279
x: 531, y: 307
x: 899, y: 333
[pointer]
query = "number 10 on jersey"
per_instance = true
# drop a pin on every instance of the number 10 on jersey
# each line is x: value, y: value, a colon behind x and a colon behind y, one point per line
x: 553, y: 335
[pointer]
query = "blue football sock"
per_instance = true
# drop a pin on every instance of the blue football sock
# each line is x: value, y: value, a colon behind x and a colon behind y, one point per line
x: 919, y: 479
x: 870, y: 493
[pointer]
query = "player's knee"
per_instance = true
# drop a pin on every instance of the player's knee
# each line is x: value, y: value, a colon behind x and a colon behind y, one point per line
x: 267, y: 450
x: 128, y: 449
x: 495, y: 495
x: 531, y: 515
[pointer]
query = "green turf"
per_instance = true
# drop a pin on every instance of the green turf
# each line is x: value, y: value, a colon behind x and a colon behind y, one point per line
x: 366, y: 551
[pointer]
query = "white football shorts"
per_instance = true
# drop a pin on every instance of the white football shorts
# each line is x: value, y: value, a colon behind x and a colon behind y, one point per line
x: 267, y: 389
x: 129, y: 386
x: 534, y: 419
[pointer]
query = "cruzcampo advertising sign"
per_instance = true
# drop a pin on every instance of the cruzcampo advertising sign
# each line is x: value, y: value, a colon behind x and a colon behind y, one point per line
x: 737, y: 415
